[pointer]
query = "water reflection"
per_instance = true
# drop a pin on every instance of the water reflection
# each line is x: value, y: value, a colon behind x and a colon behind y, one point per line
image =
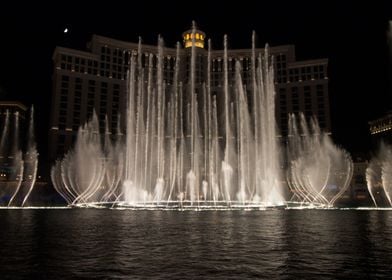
x: 294, y: 244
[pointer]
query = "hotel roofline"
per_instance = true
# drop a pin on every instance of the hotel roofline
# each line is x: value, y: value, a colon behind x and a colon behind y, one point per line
x: 92, y: 51
x: 16, y: 104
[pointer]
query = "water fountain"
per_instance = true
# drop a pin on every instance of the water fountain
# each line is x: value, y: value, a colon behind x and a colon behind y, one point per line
x: 180, y: 151
x: 379, y: 171
x: 379, y: 177
x: 319, y: 172
x: 19, y: 169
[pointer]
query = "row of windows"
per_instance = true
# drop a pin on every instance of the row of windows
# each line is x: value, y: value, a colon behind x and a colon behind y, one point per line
x: 306, y: 90
x: 217, y: 65
x: 113, y: 128
x: 118, y: 64
x: 115, y: 68
x: 81, y: 64
x: 122, y: 57
x: 307, y: 105
x: 65, y: 81
x: 77, y: 117
x: 320, y: 117
x: 78, y: 61
x: 77, y: 99
x: 79, y: 69
x: 303, y: 73
x: 280, y: 58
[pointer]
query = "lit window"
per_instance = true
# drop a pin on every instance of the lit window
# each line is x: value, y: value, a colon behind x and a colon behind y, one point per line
x: 197, y: 36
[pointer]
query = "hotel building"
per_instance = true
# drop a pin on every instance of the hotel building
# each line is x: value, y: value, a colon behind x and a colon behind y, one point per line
x: 94, y: 79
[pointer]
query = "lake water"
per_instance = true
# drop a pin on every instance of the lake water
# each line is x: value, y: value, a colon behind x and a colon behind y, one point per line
x: 273, y: 244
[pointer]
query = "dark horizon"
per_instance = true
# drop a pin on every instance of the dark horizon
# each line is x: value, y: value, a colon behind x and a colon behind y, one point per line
x: 351, y: 35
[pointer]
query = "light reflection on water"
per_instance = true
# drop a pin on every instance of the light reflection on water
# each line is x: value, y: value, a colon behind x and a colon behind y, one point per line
x: 276, y: 244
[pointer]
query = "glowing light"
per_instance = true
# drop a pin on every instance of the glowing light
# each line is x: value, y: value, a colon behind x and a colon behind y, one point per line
x: 188, y: 44
x: 66, y: 30
x: 196, y: 39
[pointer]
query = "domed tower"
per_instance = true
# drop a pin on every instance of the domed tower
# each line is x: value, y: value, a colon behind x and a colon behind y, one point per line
x: 194, y: 36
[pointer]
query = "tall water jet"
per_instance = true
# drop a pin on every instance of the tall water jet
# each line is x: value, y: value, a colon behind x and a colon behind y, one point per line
x: 20, y: 165
x: 268, y: 180
x: 5, y: 132
x: 31, y: 160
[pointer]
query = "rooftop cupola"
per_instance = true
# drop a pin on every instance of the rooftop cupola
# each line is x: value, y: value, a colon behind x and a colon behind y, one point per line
x: 193, y: 36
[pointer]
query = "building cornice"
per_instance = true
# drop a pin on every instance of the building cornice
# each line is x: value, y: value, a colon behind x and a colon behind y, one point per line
x: 13, y: 104
x: 62, y: 50
x: 310, y: 62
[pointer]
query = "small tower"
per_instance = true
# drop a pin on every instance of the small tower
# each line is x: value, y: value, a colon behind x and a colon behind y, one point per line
x: 194, y: 36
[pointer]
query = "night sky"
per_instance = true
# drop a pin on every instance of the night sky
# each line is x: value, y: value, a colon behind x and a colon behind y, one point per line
x: 351, y: 35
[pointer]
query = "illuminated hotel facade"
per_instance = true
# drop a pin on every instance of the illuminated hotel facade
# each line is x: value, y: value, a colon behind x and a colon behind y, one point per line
x: 95, y: 80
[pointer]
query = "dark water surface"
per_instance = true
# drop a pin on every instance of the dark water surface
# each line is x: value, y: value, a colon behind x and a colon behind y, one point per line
x: 275, y: 244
